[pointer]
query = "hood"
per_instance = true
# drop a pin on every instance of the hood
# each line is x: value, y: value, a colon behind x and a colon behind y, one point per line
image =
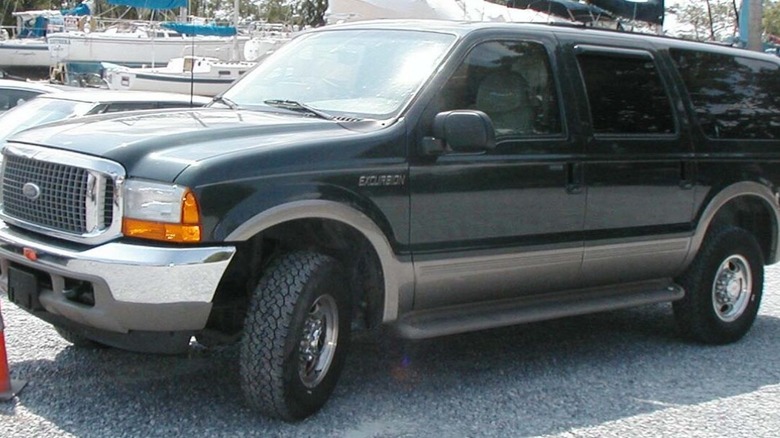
x: 160, y: 145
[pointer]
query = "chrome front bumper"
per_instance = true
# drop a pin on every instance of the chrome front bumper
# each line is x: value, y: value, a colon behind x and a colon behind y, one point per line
x: 136, y: 287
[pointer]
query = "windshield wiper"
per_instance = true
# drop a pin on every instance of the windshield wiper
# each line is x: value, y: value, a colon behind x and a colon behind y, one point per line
x: 297, y: 106
x: 225, y: 101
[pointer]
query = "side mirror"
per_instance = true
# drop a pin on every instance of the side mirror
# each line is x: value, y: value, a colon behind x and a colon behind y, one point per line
x: 460, y: 131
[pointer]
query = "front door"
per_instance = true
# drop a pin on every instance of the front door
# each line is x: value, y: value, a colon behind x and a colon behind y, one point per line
x: 506, y: 222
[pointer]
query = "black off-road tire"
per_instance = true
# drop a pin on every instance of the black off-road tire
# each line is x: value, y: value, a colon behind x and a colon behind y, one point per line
x: 727, y: 253
x: 76, y: 339
x: 282, y: 313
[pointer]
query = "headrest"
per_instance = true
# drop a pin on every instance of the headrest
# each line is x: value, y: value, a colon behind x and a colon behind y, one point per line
x: 501, y: 92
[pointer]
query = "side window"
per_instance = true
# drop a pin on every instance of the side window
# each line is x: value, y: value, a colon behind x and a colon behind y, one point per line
x: 733, y: 97
x: 177, y: 104
x: 509, y: 81
x: 130, y: 106
x: 97, y: 109
x: 625, y: 94
x: 11, y: 98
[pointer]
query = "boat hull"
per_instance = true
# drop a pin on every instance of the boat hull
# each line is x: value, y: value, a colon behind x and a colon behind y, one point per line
x: 189, y: 75
x: 169, y: 83
x: 138, y: 51
x: 24, y: 53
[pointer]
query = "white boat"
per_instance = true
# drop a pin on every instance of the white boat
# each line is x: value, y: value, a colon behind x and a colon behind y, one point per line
x: 27, y: 46
x: 190, y: 74
x: 18, y: 52
x: 266, y: 38
x: 139, y: 45
x: 340, y: 11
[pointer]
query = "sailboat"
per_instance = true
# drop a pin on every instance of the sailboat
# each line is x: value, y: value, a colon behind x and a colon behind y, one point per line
x: 26, y: 47
x: 202, y: 75
x: 145, y: 43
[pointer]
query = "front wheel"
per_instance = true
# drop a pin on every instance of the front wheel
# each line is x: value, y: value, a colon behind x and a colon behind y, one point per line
x: 296, y: 336
x: 723, y: 288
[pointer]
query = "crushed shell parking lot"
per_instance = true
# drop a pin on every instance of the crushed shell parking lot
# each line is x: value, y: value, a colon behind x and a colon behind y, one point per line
x: 618, y: 374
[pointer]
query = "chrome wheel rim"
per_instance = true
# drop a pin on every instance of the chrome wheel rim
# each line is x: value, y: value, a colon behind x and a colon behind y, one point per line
x: 318, y: 341
x: 732, y: 288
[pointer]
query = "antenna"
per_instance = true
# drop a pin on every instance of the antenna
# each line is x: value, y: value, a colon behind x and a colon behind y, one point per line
x: 192, y: 51
x: 192, y: 69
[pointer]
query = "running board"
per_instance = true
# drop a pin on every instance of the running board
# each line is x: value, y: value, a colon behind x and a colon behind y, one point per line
x: 478, y: 316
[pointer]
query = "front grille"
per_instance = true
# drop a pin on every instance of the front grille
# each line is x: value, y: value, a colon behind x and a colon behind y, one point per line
x: 62, y: 194
x: 108, y: 204
x: 61, y: 200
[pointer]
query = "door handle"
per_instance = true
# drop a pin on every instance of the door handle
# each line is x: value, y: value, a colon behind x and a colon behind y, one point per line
x: 574, y: 178
x: 687, y: 175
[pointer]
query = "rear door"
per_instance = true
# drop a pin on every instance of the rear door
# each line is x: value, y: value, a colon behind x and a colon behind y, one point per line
x: 639, y: 170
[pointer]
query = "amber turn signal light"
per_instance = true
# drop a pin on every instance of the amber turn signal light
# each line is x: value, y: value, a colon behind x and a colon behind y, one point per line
x: 188, y: 230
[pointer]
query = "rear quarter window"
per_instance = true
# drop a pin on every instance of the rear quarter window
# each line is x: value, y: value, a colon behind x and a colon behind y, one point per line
x: 733, y: 97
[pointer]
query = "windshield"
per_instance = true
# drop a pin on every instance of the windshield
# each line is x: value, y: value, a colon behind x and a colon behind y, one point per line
x: 358, y: 73
x: 38, y: 111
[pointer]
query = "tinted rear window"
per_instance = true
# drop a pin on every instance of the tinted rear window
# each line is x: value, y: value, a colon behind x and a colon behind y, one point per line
x: 733, y: 97
x: 625, y: 94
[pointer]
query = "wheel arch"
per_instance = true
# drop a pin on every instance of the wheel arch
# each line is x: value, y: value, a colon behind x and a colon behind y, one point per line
x: 746, y: 204
x: 397, y: 275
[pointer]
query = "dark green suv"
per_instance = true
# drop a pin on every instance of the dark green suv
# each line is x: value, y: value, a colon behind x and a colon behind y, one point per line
x: 433, y: 177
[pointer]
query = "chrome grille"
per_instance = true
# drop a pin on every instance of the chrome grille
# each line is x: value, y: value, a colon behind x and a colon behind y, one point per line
x: 108, y: 203
x: 61, y: 203
x: 62, y: 194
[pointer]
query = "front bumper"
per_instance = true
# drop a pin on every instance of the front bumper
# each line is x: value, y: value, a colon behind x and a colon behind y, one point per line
x: 136, y: 287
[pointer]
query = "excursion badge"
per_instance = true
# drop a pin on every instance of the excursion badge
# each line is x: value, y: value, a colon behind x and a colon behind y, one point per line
x: 381, y: 180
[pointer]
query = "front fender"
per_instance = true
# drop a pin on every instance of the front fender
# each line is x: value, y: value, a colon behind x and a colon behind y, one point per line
x: 398, y: 275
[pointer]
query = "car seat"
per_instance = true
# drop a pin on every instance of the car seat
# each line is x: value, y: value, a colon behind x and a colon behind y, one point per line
x: 503, y: 95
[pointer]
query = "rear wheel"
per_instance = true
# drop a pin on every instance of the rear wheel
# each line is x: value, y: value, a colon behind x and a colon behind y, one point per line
x: 723, y: 288
x: 296, y: 336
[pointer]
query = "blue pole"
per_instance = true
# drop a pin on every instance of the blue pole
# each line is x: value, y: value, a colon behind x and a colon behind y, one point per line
x: 744, y: 23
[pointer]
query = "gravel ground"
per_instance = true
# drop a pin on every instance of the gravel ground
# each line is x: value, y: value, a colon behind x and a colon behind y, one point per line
x: 616, y: 374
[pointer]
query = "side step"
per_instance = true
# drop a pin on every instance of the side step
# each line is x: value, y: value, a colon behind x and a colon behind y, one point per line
x: 478, y: 316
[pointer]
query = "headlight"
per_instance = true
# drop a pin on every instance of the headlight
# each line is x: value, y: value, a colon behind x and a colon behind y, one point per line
x: 157, y: 211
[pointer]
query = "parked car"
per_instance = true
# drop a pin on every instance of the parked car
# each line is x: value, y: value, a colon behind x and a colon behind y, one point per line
x: 13, y: 92
x: 68, y: 104
x: 429, y: 176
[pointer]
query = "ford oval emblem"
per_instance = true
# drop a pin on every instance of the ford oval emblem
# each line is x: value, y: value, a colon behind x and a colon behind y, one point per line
x: 31, y: 191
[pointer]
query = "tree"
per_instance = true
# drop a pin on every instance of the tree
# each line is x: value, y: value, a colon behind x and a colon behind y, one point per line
x: 311, y: 12
x: 772, y: 17
x: 275, y: 11
x: 708, y: 20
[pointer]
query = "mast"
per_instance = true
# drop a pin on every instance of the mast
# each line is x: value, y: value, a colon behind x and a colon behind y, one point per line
x: 234, y: 53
